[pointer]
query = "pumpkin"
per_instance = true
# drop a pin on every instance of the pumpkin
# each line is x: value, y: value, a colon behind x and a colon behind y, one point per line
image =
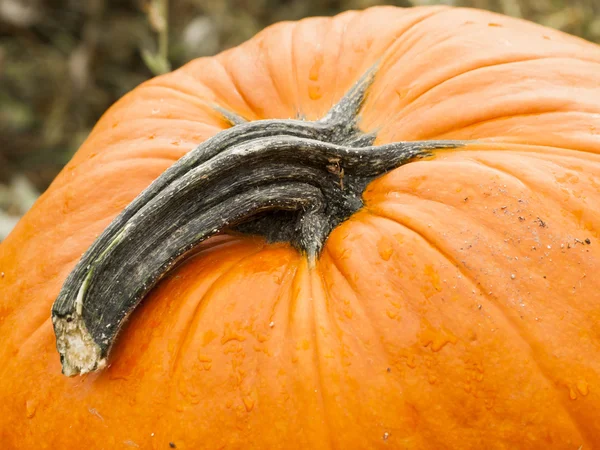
x: 377, y: 230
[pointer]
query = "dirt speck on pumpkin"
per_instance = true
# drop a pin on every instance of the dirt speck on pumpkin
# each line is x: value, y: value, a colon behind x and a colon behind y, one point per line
x: 172, y: 445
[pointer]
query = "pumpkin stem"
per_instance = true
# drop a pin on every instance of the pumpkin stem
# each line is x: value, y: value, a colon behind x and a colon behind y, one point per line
x: 287, y: 180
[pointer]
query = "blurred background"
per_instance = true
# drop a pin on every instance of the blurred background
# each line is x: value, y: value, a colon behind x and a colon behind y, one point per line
x: 64, y: 62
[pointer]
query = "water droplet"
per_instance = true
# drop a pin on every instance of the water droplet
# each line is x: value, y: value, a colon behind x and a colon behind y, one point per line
x: 271, y: 324
x: 313, y: 74
x: 385, y: 248
x: 231, y: 335
x: 583, y: 388
x: 572, y: 394
x: 204, y: 358
x: 437, y: 340
x: 30, y: 407
x: 386, y: 435
x: 248, y: 403
x: 433, y: 276
x: 208, y: 337
x: 314, y: 92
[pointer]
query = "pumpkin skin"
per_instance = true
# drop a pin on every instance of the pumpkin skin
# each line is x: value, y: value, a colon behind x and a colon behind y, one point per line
x: 458, y: 309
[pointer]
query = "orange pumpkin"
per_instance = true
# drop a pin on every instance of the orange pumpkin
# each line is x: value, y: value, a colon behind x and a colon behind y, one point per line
x: 442, y: 294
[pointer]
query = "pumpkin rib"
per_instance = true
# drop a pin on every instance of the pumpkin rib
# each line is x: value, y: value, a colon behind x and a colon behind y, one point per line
x: 294, y: 33
x: 492, y: 145
x: 504, y: 172
x: 484, y: 60
x: 549, y: 109
x: 238, y: 88
x: 226, y: 103
x: 148, y: 106
x: 396, y: 223
x: 376, y: 14
x: 358, y: 294
x: 286, y: 283
x: 329, y: 97
x: 335, y: 263
x: 114, y: 164
x: 584, y: 433
x: 298, y: 284
x: 387, y: 59
x: 336, y: 83
x: 288, y: 34
x: 144, y: 136
x: 552, y: 195
x: 123, y: 158
x: 515, y: 95
x: 527, y: 139
x: 291, y: 300
x: 204, y: 104
x: 398, y: 41
x: 271, y: 78
x: 476, y: 68
x: 190, y: 328
x: 358, y: 304
x: 317, y: 353
x: 269, y: 53
x: 516, y: 139
x: 375, y: 212
x: 576, y: 157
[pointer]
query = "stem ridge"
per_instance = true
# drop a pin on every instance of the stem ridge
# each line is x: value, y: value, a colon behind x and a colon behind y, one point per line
x: 287, y: 180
